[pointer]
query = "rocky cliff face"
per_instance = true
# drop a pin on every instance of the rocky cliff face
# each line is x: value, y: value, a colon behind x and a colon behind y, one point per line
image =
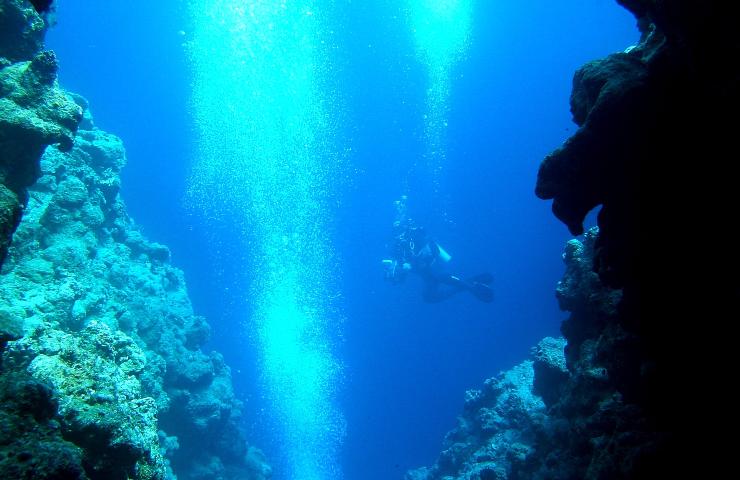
x: 101, y: 372
x: 110, y: 335
x: 498, y: 427
x: 34, y: 112
x: 558, y: 415
x: 654, y: 131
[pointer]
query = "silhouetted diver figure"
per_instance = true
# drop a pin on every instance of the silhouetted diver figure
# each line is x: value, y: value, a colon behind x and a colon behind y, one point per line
x: 415, y: 251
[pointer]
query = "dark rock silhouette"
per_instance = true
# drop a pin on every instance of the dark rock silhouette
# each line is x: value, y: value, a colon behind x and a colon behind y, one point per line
x: 559, y: 415
x: 650, y: 291
x: 42, y: 6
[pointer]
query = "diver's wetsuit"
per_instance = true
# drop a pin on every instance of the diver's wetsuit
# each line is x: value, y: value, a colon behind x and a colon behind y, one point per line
x: 424, y: 256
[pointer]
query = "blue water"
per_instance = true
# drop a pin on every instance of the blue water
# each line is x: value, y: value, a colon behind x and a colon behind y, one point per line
x: 406, y: 363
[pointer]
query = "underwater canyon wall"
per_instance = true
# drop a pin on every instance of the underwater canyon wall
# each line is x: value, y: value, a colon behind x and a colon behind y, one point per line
x: 34, y: 112
x: 102, y: 374
x: 557, y: 415
x: 647, y: 301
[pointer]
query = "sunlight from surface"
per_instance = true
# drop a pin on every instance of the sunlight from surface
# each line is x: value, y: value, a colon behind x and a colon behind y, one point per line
x: 441, y: 30
x: 265, y: 163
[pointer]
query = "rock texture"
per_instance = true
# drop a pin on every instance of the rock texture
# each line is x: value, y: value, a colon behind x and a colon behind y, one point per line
x: 101, y: 373
x: 99, y: 405
x: 34, y: 112
x: 651, y: 132
x: 496, y: 431
x: 110, y: 331
x: 560, y: 415
x: 656, y: 133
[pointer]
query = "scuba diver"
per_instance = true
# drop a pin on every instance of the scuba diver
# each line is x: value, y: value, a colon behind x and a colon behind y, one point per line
x: 415, y: 251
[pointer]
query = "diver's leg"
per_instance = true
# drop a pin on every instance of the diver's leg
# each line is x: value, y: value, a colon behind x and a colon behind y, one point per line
x: 481, y: 290
x: 441, y: 288
x: 456, y: 284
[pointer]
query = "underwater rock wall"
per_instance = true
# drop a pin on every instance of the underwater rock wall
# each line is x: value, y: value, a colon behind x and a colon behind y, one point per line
x: 646, y: 293
x: 110, y: 333
x: 657, y: 123
x: 497, y: 428
x: 101, y: 374
x: 34, y: 112
x: 559, y: 415
x: 653, y: 130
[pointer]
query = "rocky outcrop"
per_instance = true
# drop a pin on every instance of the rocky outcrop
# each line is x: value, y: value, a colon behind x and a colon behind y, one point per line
x: 496, y: 431
x: 598, y: 426
x: 648, y: 292
x: 99, y: 403
x: 110, y: 331
x: 655, y: 133
x: 34, y: 112
x: 31, y: 442
x: 101, y: 373
x: 563, y: 414
x: 650, y: 136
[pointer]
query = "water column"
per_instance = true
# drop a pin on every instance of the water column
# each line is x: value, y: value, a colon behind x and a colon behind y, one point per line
x: 266, y: 166
x: 441, y: 31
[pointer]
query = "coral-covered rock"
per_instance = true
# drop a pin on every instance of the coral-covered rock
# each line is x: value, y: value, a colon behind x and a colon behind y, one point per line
x: 10, y: 216
x: 112, y: 342
x: 31, y: 442
x: 77, y: 263
x: 550, y: 371
x: 101, y: 404
x: 575, y: 411
x: 34, y: 112
x: 496, y: 431
x: 11, y: 325
x: 22, y: 30
x: 652, y: 150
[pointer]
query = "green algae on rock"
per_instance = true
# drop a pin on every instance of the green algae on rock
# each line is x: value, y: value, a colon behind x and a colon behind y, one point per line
x: 101, y: 404
x: 31, y: 441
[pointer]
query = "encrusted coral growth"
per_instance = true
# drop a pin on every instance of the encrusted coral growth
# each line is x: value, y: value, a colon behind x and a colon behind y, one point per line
x: 596, y: 427
x: 31, y: 443
x: 567, y: 413
x: 79, y: 263
x: 34, y: 112
x: 22, y: 31
x: 102, y: 408
x: 500, y: 424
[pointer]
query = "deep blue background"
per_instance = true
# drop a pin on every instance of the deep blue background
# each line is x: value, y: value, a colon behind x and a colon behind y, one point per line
x: 407, y: 363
